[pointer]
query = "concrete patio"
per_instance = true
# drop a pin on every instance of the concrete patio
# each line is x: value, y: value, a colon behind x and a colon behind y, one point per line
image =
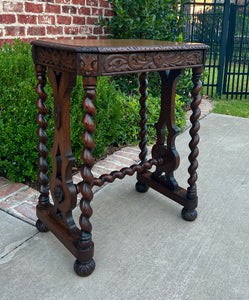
x: 143, y: 248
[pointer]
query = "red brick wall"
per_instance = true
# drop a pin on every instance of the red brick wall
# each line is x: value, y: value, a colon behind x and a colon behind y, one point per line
x: 33, y: 19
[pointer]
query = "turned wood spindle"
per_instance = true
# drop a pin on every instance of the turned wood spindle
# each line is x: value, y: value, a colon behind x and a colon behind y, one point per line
x: 43, y: 201
x: 85, y: 268
x: 143, y: 133
x: 42, y: 136
x: 189, y: 213
x: 141, y: 187
x: 139, y: 168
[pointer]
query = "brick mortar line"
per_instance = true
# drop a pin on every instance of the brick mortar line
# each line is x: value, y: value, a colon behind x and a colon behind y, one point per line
x: 55, y: 36
x: 77, y: 6
x: 118, y: 163
x: 120, y: 156
x: 127, y: 152
x: 4, y: 186
x: 131, y: 147
x: 68, y: 14
x: 14, y: 193
x: 18, y: 215
x: 105, y: 168
x: 44, y: 13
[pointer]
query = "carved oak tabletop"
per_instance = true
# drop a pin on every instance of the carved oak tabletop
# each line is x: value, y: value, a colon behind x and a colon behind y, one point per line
x: 64, y: 60
x: 108, y: 57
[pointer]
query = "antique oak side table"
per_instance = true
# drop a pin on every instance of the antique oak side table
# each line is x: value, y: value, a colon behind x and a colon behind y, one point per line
x: 92, y: 58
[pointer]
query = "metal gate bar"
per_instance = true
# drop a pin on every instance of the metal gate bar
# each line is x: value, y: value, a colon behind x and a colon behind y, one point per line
x: 224, y: 26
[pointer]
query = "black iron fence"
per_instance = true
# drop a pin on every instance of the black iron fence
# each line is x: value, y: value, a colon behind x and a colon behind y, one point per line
x: 224, y: 26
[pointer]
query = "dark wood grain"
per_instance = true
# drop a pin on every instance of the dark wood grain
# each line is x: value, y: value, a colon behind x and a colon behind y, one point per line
x: 118, y: 46
x: 62, y: 189
x: 141, y: 187
x: 85, y: 244
x: 108, y: 57
x: 167, y: 121
x: 143, y: 127
x: 90, y: 59
x: 188, y: 213
x: 42, y: 136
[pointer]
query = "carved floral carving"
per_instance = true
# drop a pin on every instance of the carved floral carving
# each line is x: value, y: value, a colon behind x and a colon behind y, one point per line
x: 147, y: 61
x: 144, y: 61
x: 57, y: 58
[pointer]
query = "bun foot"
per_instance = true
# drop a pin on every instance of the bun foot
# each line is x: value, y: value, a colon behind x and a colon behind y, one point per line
x: 40, y: 226
x: 141, y: 187
x: 84, y: 269
x: 189, y: 214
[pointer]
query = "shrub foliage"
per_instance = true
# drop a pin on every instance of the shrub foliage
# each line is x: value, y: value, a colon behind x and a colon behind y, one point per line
x: 117, y: 115
x: 18, y: 126
x: 148, y: 19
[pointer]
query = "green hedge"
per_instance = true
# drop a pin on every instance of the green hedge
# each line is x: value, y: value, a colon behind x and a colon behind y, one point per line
x: 146, y: 19
x: 117, y: 118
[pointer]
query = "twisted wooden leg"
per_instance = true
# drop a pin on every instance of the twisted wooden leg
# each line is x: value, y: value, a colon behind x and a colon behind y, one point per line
x: 41, y: 146
x: 143, y: 115
x: 140, y: 186
x: 189, y: 212
x: 85, y: 267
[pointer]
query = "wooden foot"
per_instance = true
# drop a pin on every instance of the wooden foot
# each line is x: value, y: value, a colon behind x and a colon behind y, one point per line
x: 141, y: 187
x: 40, y: 226
x: 189, y: 214
x: 84, y: 269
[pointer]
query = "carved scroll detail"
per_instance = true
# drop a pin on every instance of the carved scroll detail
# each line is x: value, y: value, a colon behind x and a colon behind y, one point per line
x: 178, y: 58
x: 147, y: 61
x: 141, y: 61
x: 57, y: 58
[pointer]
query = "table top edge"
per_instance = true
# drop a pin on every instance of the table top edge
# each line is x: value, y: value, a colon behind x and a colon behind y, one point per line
x: 117, y: 46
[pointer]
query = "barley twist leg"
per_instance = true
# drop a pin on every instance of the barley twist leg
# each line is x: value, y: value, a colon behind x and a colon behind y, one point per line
x: 141, y: 187
x: 189, y: 212
x: 85, y: 245
x: 43, y: 202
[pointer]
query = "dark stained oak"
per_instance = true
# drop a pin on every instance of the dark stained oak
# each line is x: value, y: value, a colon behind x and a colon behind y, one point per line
x: 190, y: 214
x: 141, y: 187
x: 42, y: 136
x: 63, y: 60
x: 167, y: 119
x: 85, y: 243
